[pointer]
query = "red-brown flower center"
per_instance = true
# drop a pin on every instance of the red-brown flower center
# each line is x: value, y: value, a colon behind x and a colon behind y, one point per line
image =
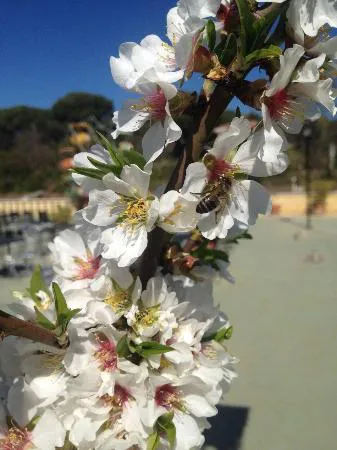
x: 279, y: 104
x: 16, y: 439
x: 119, y: 399
x: 156, y: 104
x: 228, y: 14
x: 106, y: 353
x: 169, y: 397
x: 219, y: 168
x: 87, y: 268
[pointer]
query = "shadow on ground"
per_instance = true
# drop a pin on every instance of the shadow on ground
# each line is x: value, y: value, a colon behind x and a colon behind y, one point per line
x: 227, y: 428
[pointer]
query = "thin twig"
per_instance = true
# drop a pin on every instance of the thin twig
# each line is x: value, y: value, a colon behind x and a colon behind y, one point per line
x: 12, y: 326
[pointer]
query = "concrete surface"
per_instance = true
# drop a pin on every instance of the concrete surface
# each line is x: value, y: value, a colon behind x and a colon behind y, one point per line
x: 284, y: 311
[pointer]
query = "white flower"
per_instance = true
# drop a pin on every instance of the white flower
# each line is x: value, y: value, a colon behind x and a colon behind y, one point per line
x: 127, y: 211
x: 77, y: 259
x: 92, y: 355
x: 153, y: 107
x: 47, y: 434
x: 185, y: 29
x: 309, y: 16
x: 186, y: 397
x: 185, y: 35
x: 118, y: 438
x: 86, y: 410
x: 240, y: 199
x: 113, y: 299
x: 156, y: 312
x: 136, y: 61
x: 198, y: 8
x: 44, y: 373
x: 293, y: 97
x: 215, y: 365
x: 177, y: 213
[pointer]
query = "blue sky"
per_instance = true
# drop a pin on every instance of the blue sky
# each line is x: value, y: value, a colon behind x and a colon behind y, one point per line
x: 51, y: 47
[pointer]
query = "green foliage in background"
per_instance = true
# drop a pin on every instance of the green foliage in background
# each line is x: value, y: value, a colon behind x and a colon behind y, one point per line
x: 30, y: 138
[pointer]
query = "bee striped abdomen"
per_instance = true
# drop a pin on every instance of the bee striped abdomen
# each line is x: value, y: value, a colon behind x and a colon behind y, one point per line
x: 208, y: 204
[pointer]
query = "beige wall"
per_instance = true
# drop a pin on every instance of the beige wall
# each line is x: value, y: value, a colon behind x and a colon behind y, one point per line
x: 288, y: 204
x: 34, y: 206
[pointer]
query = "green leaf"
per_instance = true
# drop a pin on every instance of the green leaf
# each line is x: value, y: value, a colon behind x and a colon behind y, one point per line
x: 165, y: 425
x: 153, y: 441
x: 219, y: 254
x: 43, y: 321
x: 146, y: 349
x: 123, y: 348
x: 31, y: 425
x: 87, y: 172
x: 106, y: 168
x: 219, y: 336
x: 247, y: 20
x: 227, y: 49
x: 115, y: 154
x: 264, y: 53
x: 37, y: 284
x: 63, y: 313
x: 211, y: 35
x: 60, y: 302
x: 263, y: 25
x: 134, y: 157
x: 246, y: 235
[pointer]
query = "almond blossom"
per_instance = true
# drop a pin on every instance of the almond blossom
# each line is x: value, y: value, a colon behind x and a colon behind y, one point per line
x: 154, y: 107
x: 126, y: 211
x: 242, y: 199
x: 47, y: 434
x: 293, y: 97
x: 77, y: 260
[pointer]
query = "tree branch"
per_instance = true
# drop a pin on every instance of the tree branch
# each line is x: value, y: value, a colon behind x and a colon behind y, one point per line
x: 206, y: 117
x: 12, y: 326
x: 269, y: 9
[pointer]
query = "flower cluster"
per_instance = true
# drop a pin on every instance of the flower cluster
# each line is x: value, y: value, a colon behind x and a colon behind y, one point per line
x: 136, y: 358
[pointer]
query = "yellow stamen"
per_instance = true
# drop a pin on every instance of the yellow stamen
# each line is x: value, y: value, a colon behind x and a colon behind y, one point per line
x: 147, y: 317
x: 135, y: 212
x: 118, y: 299
x: 177, y: 209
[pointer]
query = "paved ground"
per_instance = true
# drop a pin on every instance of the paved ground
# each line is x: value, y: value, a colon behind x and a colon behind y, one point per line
x: 284, y: 311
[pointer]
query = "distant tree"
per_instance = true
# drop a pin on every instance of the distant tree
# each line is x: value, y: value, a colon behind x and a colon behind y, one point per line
x: 29, y: 165
x: 14, y: 121
x: 78, y: 106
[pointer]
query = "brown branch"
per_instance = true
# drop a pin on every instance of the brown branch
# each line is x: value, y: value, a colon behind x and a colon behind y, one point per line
x: 12, y: 326
x: 206, y: 117
x: 269, y: 9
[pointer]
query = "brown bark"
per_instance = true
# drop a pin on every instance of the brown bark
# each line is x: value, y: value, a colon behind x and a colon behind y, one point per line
x: 11, y: 326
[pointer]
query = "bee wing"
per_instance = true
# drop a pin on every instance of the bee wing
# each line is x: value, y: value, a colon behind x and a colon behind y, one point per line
x: 249, y: 199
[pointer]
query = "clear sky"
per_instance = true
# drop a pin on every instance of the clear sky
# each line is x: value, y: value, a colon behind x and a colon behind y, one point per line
x: 51, y: 47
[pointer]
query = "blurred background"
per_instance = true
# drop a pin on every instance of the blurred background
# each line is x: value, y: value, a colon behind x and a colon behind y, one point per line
x: 56, y: 91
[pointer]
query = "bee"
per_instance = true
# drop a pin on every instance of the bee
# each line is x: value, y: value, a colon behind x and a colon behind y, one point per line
x: 215, y: 195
